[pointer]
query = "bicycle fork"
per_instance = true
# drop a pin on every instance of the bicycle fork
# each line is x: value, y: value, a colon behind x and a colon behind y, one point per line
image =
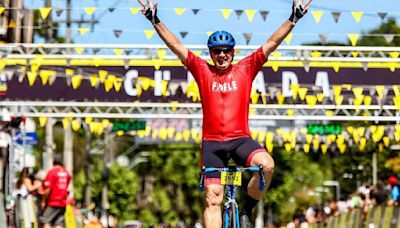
x: 231, y: 209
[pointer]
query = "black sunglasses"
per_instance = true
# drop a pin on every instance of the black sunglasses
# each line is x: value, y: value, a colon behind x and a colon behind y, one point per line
x: 218, y: 51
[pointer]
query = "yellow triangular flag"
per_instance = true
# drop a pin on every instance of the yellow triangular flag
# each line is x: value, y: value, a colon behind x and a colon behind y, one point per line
x: 31, y: 77
x: 295, y: 90
x: 367, y: 100
x: 76, y: 124
x: 354, y: 54
x: 358, y: 91
x: 42, y: 121
x: 394, y: 54
x: 83, y: 30
x: 79, y: 50
x: 134, y: 10
x: 276, y: 54
x: 306, y: 148
x: 44, y: 75
x: 396, y: 101
x: 226, y: 13
x: 117, y: 84
x: 270, y: 147
x: 353, y: 38
x: 317, y: 15
x: 357, y: 16
x: 303, y: 93
x: 90, y: 10
x: 76, y: 81
x: 44, y: 12
x: 250, y: 14
x: 103, y: 75
x: 337, y: 90
x: 11, y: 24
x: 118, y: 51
x: 93, y: 80
x: 280, y: 98
x: 316, y: 54
x: 97, y: 61
x: 180, y: 11
x: 336, y: 67
x: 2, y: 10
x: 161, y: 53
x: 311, y: 100
x: 339, y: 100
x: 396, y: 90
x: 288, y: 38
x: 379, y: 90
x: 149, y: 33
x: 275, y: 66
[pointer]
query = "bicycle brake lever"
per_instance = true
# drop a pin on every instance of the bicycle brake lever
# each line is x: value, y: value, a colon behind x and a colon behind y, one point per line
x: 262, y: 179
x: 202, y: 179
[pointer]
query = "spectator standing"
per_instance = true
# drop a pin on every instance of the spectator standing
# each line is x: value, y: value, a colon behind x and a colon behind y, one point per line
x: 395, y: 191
x: 378, y: 194
x: 54, y: 200
x: 25, y: 188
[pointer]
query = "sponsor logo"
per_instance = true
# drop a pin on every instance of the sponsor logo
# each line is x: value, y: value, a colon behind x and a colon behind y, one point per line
x: 224, y: 87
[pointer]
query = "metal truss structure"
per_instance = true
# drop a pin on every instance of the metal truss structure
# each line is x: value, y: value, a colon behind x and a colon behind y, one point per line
x: 147, y: 51
x: 193, y: 111
x: 115, y: 110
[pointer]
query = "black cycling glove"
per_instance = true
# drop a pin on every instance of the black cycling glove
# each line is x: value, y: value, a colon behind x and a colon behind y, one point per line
x: 297, y: 13
x: 151, y: 14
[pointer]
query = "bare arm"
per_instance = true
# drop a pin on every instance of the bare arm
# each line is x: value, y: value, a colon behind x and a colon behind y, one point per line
x: 298, y: 11
x: 172, y: 41
x: 31, y: 187
x: 277, y: 37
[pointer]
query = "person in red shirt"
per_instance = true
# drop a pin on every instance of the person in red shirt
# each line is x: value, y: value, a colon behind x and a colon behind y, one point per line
x: 54, y: 200
x: 225, y: 98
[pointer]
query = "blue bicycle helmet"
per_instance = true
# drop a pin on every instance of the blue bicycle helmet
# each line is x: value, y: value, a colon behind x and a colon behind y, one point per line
x: 220, y: 38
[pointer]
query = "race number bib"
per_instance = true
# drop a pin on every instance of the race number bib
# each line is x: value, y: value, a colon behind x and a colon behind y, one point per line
x: 231, y: 178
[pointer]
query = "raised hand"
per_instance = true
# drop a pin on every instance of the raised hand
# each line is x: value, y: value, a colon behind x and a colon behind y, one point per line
x: 298, y: 10
x: 149, y: 10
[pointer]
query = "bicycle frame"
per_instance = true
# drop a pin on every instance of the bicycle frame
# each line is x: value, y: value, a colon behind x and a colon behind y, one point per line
x: 231, y: 208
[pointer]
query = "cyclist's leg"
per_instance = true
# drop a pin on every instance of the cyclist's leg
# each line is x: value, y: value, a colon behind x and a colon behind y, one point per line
x: 251, y: 153
x: 213, y: 155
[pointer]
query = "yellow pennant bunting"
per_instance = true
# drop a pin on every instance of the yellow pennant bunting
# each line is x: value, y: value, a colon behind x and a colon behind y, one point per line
x: 386, y: 141
x: 357, y: 16
x: 311, y: 100
x: 275, y: 66
x: 45, y: 75
x: 354, y: 54
x: 396, y: 90
x: 317, y: 15
x: 145, y: 82
x: 76, y: 124
x: 295, y: 90
x: 118, y: 84
x: 79, y: 50
x: 336, y: 67
x: 76, y: 81
x: 288, y: 147
x: 149, y: 33
x: 337, y: 90
x: 281, y: 98
x: 90, y: 10
x: 180, y: 11
x: 396, y: 101
x: 290, y: 112
x: 392, y: 66
x: 320, y: 97
x: 367, y: 100
x: 94, y: 80
x: 11, y: 24
x: 394, y: 54
x: 44, y: 12
x: 316, y: 54
x: 96, y: 62
x: 103, y: 75
x: 302, y: 93
x: 254, y: 98
x: 250, y: 14
x: 270, y: 147
x: 342, y: 148
x: 31, y: 77
x: 156, y: 63
x: 329, y: 113
x: 69, y: 72
x: 276, y: 54
x: 353, y: 38
x: 324, y: 148
x: 134, y: 10
x: 83, y: 30
x: 161, y: 53
x: 226, y: 13
x: 118, y: 51
x: 138, y: 89
x: 42, y: 121
x: 309, y: 138
x: 288, y: 38
x: 2, y: 10
x: 358, y: 91
x: 306, y: 148
x: 379, y: 90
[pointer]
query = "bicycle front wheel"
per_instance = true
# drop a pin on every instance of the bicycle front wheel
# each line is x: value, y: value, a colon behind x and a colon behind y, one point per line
x: 230, y: 219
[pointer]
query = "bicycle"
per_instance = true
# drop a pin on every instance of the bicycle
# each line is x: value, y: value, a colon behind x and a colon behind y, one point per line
x: 231, y: 178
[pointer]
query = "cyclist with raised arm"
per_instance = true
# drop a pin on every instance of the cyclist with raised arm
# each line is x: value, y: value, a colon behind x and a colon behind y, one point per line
x: 225, y: 98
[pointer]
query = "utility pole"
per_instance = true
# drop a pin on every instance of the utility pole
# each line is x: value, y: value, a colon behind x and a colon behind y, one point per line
x: 88, y: 191
x: 49, y: 25
x: 68, y: 153
x: 49, y: 145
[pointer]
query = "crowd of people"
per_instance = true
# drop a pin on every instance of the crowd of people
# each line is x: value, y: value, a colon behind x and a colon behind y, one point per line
x: 366, y: 197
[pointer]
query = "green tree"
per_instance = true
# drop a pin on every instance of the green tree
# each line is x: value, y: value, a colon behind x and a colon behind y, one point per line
x: 388, y: 27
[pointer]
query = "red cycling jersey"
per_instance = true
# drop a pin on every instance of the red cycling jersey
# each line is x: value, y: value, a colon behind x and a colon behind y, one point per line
x: 225, y: 97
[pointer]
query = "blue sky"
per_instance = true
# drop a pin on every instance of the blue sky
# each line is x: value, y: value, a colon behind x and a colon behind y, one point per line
x: 210, y: 18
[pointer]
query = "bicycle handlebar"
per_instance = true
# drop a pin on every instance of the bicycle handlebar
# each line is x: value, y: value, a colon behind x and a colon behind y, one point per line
x: 254, y: 169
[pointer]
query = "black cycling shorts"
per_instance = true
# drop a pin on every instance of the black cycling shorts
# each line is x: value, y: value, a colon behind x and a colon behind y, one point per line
x: 216, y: 154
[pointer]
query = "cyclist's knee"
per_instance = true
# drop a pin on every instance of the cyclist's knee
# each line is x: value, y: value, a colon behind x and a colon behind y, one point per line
x: 214, y: 195
x: 266, y: 161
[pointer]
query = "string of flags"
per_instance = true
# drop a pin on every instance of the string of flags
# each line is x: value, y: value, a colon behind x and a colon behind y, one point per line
x: 383, y: 136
